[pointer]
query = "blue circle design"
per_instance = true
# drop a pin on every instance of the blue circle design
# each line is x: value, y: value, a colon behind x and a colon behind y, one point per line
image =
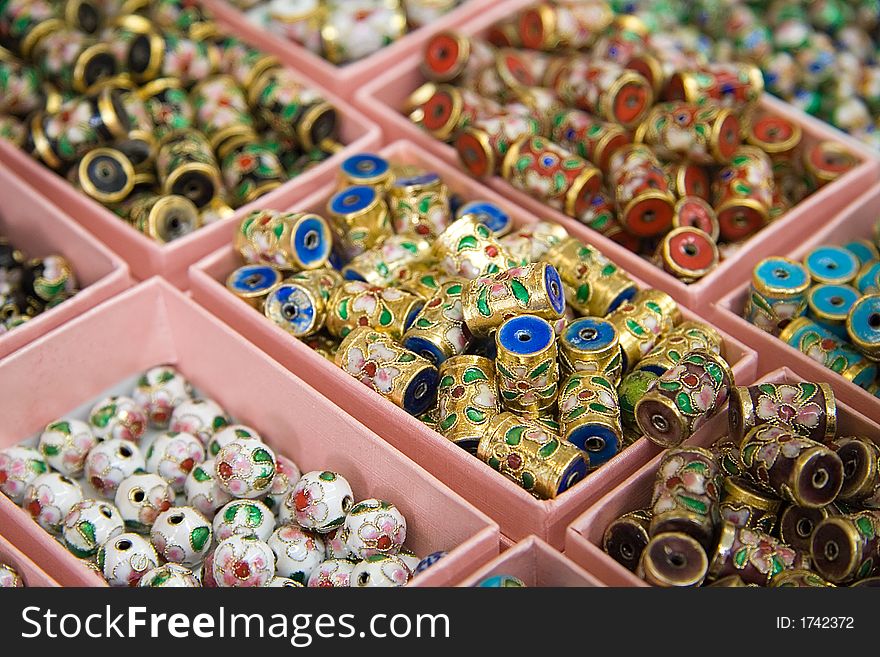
x: 580, y: 438
x: 622, y: 298
x: 429, y: 561
x: 835, y: 300
x: 590, y: 334
x: 501, y: 582
x: 350, y: 274
x: 553, y: 284
x: 868, y: 280
x: 525, y: 334
x: 254, y: 278
x: 367, y: 166
x: 302, y: 319
x: 425, y: 382
x: 864, y: 320
x: 780, y: 273
x: 352, y: 199
x: 574, y: 473
x: 489, y: 214
x: 412, y: 315
x: 832, y: 263
x: 420, y: 180
x: 311, y: 241
x: 425, y: 348
x: 860, y: 250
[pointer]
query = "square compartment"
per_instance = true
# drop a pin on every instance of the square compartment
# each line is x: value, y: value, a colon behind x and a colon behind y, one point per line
x: 31, y: 574
x: 153, y: 324
x: 584, y: 536
x: 518, y: 513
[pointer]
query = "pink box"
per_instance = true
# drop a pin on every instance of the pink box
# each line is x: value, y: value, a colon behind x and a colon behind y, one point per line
x: 347, y: 79
x: 518, y: 513
x: 146, y: 257
x: 856, y: 221
x: 38, y: 228
x: 536, y: 564
x: 30, y: 573
x: 584, y: 536
x: 152, y: 324
x: 383, y: 97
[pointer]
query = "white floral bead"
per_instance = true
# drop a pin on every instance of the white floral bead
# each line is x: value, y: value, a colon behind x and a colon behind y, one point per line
x: 297, y: 552
x: 380, y: 570
x: 242, y: 518
x: 374, y: 527
x: 110, y: 462
x: 159, y: 391
x: 89, y: 524
x: 243, y: 561
x: 200, y: 417
x: 173, y: 456
x: 65, y: 444
x: 320, y: 500
x: 332, y: 573
x: 171, y: 575
x: 225, y: 436
x: 19, y: 466
x: 140, y: 498
x: 245, y: 467
x: 49, y: 498
x: 287, y: 475
x: 182, y: 535
x: 118, y: 417
x: 124, y: 559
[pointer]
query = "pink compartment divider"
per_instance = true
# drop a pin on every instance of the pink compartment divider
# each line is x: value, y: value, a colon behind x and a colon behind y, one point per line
x: 345, y: 80
x: 39, y: 229
x: 152, y: 324
x: 31, y: 574
x: 518, y: 513
x: 536, y: 564
x: 856, y: 221
x: 584, y: 536
x: 144, y: 256
x: 382, y: 99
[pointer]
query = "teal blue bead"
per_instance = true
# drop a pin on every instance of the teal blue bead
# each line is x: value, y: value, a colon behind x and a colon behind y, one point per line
x: 863, y: 326
x: 820, y: 344
x: 864, y: 250
x: 868, y: 279
x: 831, y: 264
x: 502, y: 581
x: 829, y: 306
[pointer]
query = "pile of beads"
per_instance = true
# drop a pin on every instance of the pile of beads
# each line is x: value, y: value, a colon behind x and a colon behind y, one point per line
x: 560, y: 102
x: 344, y: 31
x: 819, y: 56
x: 827, y: 307
x: 9, y: 577
x: 783, y: 500
x: 29, y: 287
x: 153, y: 112
x: 199, y: 501
x: 510, y: 343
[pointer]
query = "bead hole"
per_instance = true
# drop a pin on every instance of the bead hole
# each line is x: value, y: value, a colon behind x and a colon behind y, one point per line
x: 105, y: 511
x: 690, y: 249
x: 594, y: 444
x: 850, y: 466
x: 176, y: 519
x: 804, y: 528
x: 138, y: 496
x: 874, y: 320
x: 364, y: 579
x: 421, y: 390
x: 67, y: 480
x: 836, y: 301
x: 346, y: 503
x: 831, y: 551
x: 649, y: 216
x: 312, y: 240
x: 781, y: 274
x: 523, y: 336
x: 660, y: 423
x: 125, y: 451
x: 821, y: 478
x: 123, y: 545
x: 675, y: 559
x: 588, y: 333
x: 627, y: 551
x: 289, y: 311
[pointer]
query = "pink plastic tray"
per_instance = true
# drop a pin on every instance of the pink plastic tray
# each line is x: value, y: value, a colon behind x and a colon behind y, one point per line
x: 345, y: 80
x: 854, y: 222
x: 584, y: 537
x: 518, y: 513
x: 383, y: 97
x: 31, y: 574
x: 536, y: 564
x: 38, y: 228
x: 153, y: 323
x: 146, y: 257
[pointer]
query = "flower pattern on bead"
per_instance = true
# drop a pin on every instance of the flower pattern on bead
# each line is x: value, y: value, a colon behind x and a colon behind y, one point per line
x: 245, y: 467
x: 321, y: 500
x: 9, y: 579
x: 373, y: 368
x: 18, y: 467
x: 763, y: 553
x: 41, y: 505
x: 332, y: 573
x: 243, y: 562
x: 594, y: 394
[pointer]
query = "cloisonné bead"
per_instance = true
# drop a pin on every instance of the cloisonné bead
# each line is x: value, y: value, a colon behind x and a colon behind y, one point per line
x: 299, y: 304
x: 865, y: 250
x: 387, y: 261
x: 19, y: 466
x: 298, y: 553
x: 110, y: 462
x: 173, y: 455
x: 358, y: 28
x: 590, y: 345
x: 451, y: 55
x: 360, y: 219
x: 202, y: 490
x: 594, y: 285
x: 587, y: 136
x: 439, y: 331
x: 828, y: 349
x: 167, y: 105
x: 777, y: 136
x: 28, y: 21
x: 249, y: 170
x: 797, y: 524
x: 743, y: 193
x: 705, y: 134
x: 501, y: 582
x: 747, y: 506
x: 357, y: 304
x: 686, y: 494
x: 734, y: 85
x: 126, y: 558
x: 243, y: 518
x: 73, y: 60
x: 374, y: 527
x: 467, y: 399
x: 844, y: 548
x: 49, y: 497
x: 626, y: 538
x: 494, y: 217
x: 468, y: 249
x: 169, y: 575
x: 642, y: 323
x: 20, y: 87
x: 221, y: 110
x: 89, y: 524
x: 863, y: 326
x: 564, y: 25
x: 798, y: 578
x: 366, y: 169
x: 229, y: 433
x: 826, y: 161
x: 401, y: 376
x: 245, y: 467
x: 528, y: 371
x: 161, y: 217
x: 200, y: 417
x: 419, y: 205
x: 483, y: 145
x: 684, y: 398
x: 688, y: 253
x: 181, y: 535
x: 755, y: 556
x: 590, y: 416
x: 807, y: 409
x: 685, y: 337
x: 140, y: 498
x: 778, y: 294
x: 539, y: 461
x: 380, y: 570
x: 829, y: 305
x: 104, y: 174
x: 243, y: 561
x: 798, y: 470
x: 547, y: 171
x: 489, y: 301
x: 673, y: 559
x: 861, y: 470
x: 320, y: 501
x: 834, y: 265
x: 251, y: 283
x: 332, y: 573
x: 645, y: 206
x: 695, y: 212
x: 65, y: 444
x: 158, y: 391
x: 187, y: 167
x: 9, y: 577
